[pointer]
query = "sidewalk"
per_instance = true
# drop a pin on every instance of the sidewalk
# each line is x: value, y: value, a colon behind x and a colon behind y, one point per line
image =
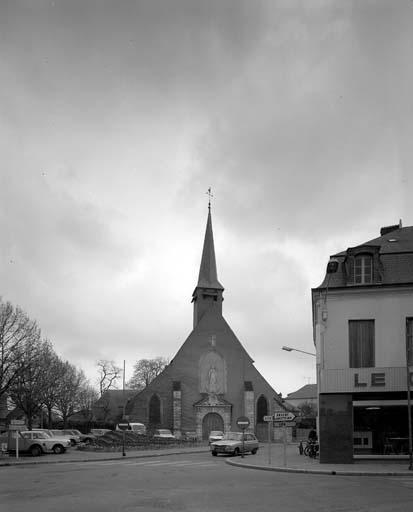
x: 263, y: 460
x: 296, y: 463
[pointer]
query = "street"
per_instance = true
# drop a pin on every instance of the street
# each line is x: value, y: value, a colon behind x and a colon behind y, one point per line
x: 194, y: 483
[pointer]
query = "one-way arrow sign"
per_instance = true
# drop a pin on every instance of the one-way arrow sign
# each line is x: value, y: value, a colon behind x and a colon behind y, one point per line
x: 284, y: 416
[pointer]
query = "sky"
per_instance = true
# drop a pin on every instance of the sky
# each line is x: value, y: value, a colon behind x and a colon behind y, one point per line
x: 117, y: 116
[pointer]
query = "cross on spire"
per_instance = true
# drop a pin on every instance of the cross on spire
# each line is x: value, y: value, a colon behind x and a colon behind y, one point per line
x: 210, y: 194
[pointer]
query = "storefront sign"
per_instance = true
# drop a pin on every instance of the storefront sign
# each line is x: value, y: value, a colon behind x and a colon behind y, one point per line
x: 364, y: 379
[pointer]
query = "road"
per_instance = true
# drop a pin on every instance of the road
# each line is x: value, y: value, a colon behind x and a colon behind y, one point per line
x: 192, y: 483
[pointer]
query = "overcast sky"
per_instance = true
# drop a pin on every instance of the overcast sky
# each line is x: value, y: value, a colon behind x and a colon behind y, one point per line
x: 115, y: 118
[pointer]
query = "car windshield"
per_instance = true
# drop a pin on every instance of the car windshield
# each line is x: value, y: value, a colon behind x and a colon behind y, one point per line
x: 168, y: 432
x: 216, y: 433
x: 77, y: 432
x: 233, y: 436
x: 57, y: 433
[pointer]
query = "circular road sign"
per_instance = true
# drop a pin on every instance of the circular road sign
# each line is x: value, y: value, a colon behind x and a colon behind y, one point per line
x: 243, y: 422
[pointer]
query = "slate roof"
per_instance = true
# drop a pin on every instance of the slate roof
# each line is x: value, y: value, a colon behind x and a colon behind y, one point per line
x: 208, y: 277
x: 396, y: 260
x: 309, y: 391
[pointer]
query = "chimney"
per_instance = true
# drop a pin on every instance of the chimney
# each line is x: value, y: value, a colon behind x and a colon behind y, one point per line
x: 388, y: 229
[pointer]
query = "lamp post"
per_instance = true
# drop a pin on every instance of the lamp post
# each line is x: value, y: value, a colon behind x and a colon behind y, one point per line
x: 290, y: 349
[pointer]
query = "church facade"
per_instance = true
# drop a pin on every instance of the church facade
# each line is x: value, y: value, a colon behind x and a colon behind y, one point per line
x: 212, y: 380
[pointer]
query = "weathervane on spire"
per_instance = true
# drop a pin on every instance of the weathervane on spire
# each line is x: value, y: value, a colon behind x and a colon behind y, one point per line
x: 210, y: 194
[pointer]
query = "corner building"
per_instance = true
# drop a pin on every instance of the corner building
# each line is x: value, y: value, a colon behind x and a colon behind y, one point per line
x: 212, y: 380
x: 363, y: 331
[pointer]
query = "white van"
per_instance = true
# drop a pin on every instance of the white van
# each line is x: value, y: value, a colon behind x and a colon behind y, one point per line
x: 138, y: 428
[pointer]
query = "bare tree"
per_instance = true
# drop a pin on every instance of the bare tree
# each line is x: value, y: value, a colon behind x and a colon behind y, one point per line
x: 27, y: 389
x: 16, y: 331
x: 109, y: 374
x: 87, y: 397
x: 145, y: 370
x: 67, y: 400
x: 52, y: 384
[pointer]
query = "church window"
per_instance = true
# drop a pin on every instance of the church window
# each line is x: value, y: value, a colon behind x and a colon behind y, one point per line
x: 262, y: 409
x: 154, y: 410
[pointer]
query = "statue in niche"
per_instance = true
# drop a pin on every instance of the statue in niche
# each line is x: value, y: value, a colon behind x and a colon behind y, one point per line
x: 212, y: 373
x: 212, y: 381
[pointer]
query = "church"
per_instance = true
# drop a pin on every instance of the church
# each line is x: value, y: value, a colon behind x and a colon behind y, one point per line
x: 212, y: 380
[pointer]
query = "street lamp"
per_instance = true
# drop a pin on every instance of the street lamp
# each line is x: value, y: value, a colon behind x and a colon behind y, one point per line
x: 290, y: 349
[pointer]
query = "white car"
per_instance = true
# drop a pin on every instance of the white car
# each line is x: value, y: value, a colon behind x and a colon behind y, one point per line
x: 215, y: 435
x: 163, y: 433
x: 234, y: 443
x: 37, y: 442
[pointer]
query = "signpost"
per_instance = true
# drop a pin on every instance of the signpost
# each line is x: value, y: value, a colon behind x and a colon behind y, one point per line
x: 17, y: 425
x: 243, y: 422
x: 269, y: 419
x: 284, y: 419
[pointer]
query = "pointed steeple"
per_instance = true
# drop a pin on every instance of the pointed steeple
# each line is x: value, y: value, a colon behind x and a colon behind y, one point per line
x: 208, y: 292
x: 208, y: 277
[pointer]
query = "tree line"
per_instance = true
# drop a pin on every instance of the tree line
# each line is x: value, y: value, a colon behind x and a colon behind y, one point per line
x: 36, y: 379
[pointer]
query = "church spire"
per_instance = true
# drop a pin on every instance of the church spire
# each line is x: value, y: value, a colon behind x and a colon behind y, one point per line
x: 208, y: 291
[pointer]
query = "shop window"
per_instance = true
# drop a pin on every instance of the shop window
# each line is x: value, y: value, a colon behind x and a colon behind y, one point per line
x: 361, y: 343
x: 409, y: 341
x: 363, y: 269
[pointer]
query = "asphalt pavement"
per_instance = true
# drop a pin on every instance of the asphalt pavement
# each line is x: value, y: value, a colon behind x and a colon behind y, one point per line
x: 269, y: 458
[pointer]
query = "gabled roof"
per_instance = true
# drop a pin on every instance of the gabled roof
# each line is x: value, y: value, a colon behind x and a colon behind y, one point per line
x: 307, y: 392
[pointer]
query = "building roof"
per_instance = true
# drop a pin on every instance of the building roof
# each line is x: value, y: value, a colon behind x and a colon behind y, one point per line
x: 307, y: 392
x: 208, y: 277
x: 395, y: 250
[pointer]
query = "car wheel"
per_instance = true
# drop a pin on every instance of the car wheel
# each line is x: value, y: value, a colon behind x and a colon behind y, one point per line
x: 58, y: 448
x: 35, y: 450
x: 236, y: 452
x: 254, y: 451
x: 214, y: 453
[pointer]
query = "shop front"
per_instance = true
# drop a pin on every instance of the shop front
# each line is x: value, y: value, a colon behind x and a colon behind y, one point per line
x: 380, y: 427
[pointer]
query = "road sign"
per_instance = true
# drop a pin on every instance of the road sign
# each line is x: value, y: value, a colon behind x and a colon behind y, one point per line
x: 284, y: 416
x: 268, y: 418
x: 17, y: 422
x: 123, y: 426
x: 243, y: 422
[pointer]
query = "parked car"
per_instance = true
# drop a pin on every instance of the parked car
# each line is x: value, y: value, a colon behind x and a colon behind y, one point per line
x: 99, y: 431
x: 215, y: 435
x: 138, y: 428
x: 36, y: 442
x: 56, y: 434
x: 84, y: 438
x: 74, y: 438
x: 163, y: 433
x: 233, y: 443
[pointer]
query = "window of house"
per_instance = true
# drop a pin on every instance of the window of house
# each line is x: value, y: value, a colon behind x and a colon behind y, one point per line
x: 409, y: 340
x: 361, y: 343
x: 363, y: 269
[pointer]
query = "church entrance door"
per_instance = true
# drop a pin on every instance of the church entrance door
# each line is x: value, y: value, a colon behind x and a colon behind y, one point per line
x: 211, y: 421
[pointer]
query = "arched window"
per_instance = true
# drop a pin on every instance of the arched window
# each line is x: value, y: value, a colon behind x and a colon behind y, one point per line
x: 363, y: 269
x: 154, y: 410
x: 262, y: 409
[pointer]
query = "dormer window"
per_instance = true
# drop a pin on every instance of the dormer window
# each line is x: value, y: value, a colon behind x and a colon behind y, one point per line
x: 363, y: 269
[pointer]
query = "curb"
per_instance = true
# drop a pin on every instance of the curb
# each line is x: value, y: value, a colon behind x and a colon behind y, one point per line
x: 120, y: 457
x: 319, y: 471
